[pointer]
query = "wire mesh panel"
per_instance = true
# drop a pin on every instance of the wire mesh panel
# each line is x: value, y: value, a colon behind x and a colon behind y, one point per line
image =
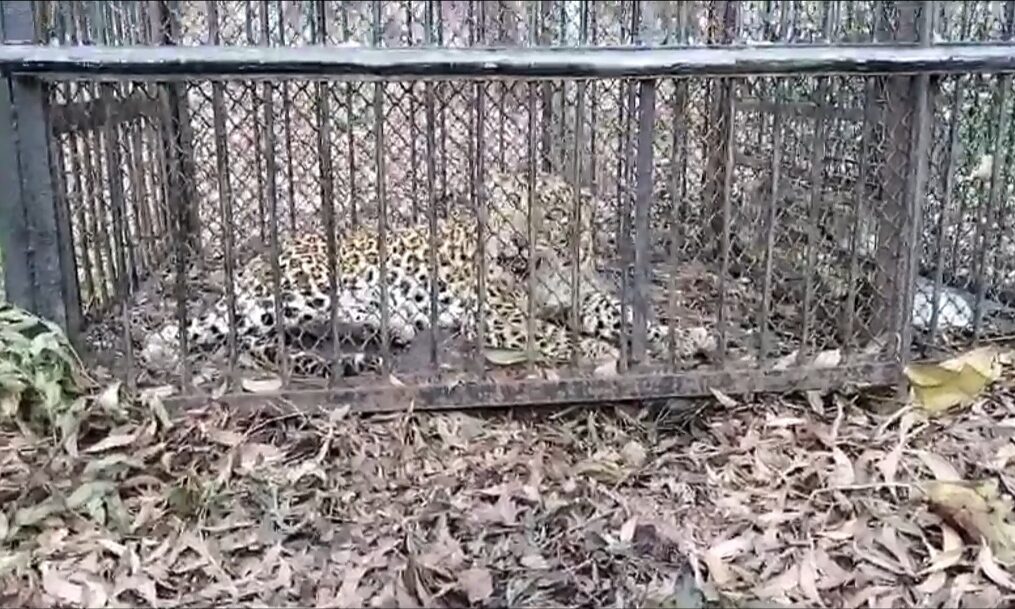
x: 586, y: 232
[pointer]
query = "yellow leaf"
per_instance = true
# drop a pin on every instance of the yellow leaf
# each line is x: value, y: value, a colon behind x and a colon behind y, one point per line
x: 957, y: 381
x: 261, y: 385
x: 978, y: 511
x: 505, y: 357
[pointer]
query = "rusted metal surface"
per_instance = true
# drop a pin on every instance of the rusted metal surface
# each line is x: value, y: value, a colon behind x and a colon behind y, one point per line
x: 364, y: 64
x: 794, y: 200
x: 629, y: 388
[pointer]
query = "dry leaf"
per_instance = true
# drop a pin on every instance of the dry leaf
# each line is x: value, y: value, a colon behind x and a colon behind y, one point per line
x: 505, y: 357
x: 993, y: 572
x: 56, y: 585
x: 950, y: 554
x: 828, y: 359
x: 534, y: 562
x: 942, y: 470
x: 605, y: 370
x: 809, y: 578
x: 843, y: 474
x: 978, y: 511
x: 109, y: 399
x: 477, y: 583
x: 723, y: 399
x: 267, y: 385
x: 634, y: 454
x: 110, y: 442
x: 627, y: 530
x: 957, y: 381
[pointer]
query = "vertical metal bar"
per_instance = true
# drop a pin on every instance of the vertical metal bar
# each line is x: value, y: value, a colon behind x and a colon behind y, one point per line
x: 65, y: 243
x: 530, y: 203
x: 114, y: 172
x: 771, y: 205
x: 998, y: 169
x: 78, y: 170
x: 593, y: 89
x: 225, y: 194
x: 817, y: 185
x: 505, y: 87
x: 945, y: 217
x: 410, y: 40
x: 479, y: 192
x: 545, y: 8
x: 382, y: 201
x: 919, y: 154
x: 431, y: 189
x: 326, y: 165
x: 262, y: 211
x: 31, y: 232
x: 142, y: 201
x: 677, y: 184
x: 271, y: 192
x: 729, y: 119
x: 287, y: 123
x: 114, y: 168
x: 442, y: 89
x: 89, y: 142
x: 350, y: 87
x: 576, y: 212
x: 643, y: 200
x: 102, y: 205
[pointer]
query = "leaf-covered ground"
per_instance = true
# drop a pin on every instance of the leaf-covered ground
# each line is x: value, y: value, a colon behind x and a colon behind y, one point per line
x: 814, y: 500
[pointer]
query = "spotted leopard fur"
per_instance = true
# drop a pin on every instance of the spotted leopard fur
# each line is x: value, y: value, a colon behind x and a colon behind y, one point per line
x: 553, y: 257
x: 305, y: 302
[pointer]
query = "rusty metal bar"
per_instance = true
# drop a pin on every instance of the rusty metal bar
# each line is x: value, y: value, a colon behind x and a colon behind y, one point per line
x: 479, y: 197
x: 729, y: 146
x: 530, y: 229
x: 262, y: 212
x: 121, y: 240
x: 677, y: 185
x: 225, y: 193
x: 859, y: 208
x: 350, y: 88
x: 162, y: 63
x: 916, y: 182
x: 327, y: 186
x: 817, y: 174
x: 948, y: 187
x: 811, y: 244
x: 287, y: 123
x: 35, y: 277
x: 382, y: 202
x: 651, y: 385
x: 998, y: 169
x: 78, y: 170
x: 770, y: 227
x: 431, y: 189
x: 643, y: 200
x: 271, y: 194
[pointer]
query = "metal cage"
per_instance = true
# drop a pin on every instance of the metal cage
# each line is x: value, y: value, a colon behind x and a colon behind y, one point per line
x: 760, y: 195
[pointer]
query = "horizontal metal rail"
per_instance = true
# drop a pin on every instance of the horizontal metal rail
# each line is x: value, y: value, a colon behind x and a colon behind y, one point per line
x: 360, y: 63
x: 652, y: 385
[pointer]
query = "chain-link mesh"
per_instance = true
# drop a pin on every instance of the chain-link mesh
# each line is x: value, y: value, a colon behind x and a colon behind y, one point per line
x: 751, y: 222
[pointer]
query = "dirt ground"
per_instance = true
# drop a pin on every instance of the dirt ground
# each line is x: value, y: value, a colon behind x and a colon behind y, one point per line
x: 810, y: 500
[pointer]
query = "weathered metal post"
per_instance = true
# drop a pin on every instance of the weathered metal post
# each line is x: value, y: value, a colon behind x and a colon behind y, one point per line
x: 35, y: 232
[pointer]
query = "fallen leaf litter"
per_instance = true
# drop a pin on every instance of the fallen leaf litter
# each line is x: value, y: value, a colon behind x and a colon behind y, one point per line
x: 815, y: 501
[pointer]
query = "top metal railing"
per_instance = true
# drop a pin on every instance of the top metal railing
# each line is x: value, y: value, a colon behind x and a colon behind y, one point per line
x: 216, y: 62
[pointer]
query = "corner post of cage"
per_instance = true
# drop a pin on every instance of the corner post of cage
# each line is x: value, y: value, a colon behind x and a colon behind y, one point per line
x: 919, y: 159
x: 178, y: 130
x: 35, y: 234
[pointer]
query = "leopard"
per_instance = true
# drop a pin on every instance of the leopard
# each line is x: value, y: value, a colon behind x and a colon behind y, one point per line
x: 543, y: 257
x: 361, y: 260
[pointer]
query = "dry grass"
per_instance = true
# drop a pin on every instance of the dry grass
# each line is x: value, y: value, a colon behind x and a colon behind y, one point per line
x: 809, y: 501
